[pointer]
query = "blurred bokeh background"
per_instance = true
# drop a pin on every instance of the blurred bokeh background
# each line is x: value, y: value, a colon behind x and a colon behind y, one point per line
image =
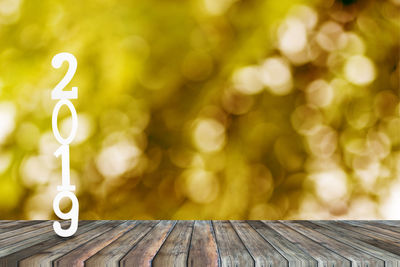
x: 204, y: 109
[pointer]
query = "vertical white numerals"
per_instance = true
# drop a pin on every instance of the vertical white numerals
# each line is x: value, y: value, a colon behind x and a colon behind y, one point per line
x: 66, y: 189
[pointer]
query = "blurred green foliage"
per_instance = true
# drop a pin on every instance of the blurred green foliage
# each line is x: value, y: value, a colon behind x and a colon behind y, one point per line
x: 204, y: 109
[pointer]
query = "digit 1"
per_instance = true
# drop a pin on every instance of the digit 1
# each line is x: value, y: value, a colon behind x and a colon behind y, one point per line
x: 65, y: 170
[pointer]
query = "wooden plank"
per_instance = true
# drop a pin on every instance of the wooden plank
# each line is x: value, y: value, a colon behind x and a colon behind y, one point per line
x: 353, y: 239
x: 174, y: 251
x: 381, y: 225
x: 10, y: 226
x: 382, y: 248
x: 384, y: 226
x: 203, y: 247
x: 376, y: 239
x: 13, y: 259
x: 202, y: 243
x: 374, y: 229
x: 231, y: 250
x: 22, y: 230
x: 357, y: 256
x: 77, y: 256
x: 295, y: 255
x: 371, y: 244
x: 16, y: 243
x: 6, y: 223
x: 394, y: 223
x: 262, y: 252
x: 46, y: 256
x: 113, y: 253
x: 143, y: 253
x: 323, y: 255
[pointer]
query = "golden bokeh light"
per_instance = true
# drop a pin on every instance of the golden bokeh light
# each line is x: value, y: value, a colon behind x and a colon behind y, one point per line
x: 206, y: 109
x: 276, y: 75
x: 359, y: 70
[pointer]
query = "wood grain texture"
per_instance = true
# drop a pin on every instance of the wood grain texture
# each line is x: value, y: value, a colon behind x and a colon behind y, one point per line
x: 12, y: 259
x: 22, y: 230
x: 391, y: 222
x: 202, y: 243
x: 386, y: 242
x: 113, y: 253
x: 231, y: 248
x: 324, y: 256
x: 174, y: 251
x: 374, y: 229
x: 45, y: 257
x: 262, y: 252
x: 144, y: 252
x: 294, y: 254
x: 203, y: 247
x: 15, y: 243
x: 382, y: 225
x: 78, y: 256
x: 356, y: 256
x: 12, y: 225
x: 366, y: 243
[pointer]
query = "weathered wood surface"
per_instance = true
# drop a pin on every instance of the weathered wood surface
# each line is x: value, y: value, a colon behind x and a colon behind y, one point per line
x: 202, y: 243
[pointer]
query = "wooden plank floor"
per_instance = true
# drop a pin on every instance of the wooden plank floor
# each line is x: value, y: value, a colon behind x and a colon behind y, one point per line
x: 202, y: 243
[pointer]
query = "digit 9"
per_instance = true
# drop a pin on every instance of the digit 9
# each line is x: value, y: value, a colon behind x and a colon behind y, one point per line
x: 72, y: 214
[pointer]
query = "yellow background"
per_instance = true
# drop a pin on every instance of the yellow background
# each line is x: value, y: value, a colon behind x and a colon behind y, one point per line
x: 204, y: 109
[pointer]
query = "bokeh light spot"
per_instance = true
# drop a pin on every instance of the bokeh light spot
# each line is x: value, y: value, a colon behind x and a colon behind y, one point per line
x: 276, y: 75
x: 306, y: 14
x: 247, y: 80
x: 5, y: 161
x: 7, y: 119
x: 115, y: 159
x: 331, y: 36
x: 359, y: 70
x: 331, y: 185
x: 292, y: 36
x: 319, y: 93
x: 201, y: 186
x: 209, y: 135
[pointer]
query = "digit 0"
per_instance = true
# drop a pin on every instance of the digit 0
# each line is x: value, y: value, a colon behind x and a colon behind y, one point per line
x: 60, y: 139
